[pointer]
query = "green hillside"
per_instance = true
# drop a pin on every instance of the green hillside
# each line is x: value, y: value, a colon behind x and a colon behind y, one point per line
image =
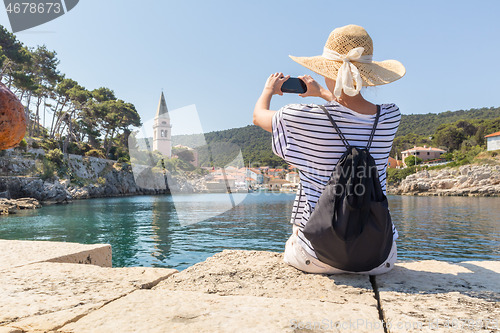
x: 427, y: 124
x: 450, y: 129
x: 254, y: 142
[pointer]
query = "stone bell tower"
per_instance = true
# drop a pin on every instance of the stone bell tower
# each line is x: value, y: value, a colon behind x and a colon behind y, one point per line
x: 162, y: 129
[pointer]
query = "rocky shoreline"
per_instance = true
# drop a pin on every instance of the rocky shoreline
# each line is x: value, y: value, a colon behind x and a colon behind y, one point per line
x: 31, y: 192
x: 467, y: 180
x: 101, y: 178
x: 91, y: 178
x: 10, y: 206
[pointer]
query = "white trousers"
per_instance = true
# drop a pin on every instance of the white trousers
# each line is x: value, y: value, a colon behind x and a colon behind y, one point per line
x: 296, y: 256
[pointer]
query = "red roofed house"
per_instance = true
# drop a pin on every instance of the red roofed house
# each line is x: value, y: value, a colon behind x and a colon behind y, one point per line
x: 493, y: 141
x: 221, y: 184
x: 394, y: 163
x: 256, y: 175
x: 275, y: 172
x: 425, y: 153
x: 293, y: 177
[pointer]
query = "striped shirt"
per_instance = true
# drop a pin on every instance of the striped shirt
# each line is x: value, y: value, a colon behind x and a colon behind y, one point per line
x: 304, y: 137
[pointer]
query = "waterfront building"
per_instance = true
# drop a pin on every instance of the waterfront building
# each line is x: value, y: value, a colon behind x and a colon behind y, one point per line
x: 275, y: 172
x: 425, y: 153
x: 394, y: 163
x: 221, y: 184
x: 293, y: 177
x: 276, y: 184
x: 256, y: 175
x: 493, y: 141
x: 162, y: 136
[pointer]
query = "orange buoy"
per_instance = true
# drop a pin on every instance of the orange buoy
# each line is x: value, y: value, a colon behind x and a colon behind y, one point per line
x: 12, y: 119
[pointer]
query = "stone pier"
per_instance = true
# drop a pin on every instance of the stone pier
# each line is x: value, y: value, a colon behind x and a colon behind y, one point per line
x: 52, y: 287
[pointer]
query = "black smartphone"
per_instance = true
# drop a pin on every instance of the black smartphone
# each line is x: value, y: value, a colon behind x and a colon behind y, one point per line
x: 294, y: 85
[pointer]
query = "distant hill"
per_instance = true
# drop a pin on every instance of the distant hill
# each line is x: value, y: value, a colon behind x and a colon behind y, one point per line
x: 255, y: 143
x: 426, y: 124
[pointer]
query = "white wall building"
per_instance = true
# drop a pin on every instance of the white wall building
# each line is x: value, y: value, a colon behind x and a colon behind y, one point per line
x: 493, y: 141
x: 425, y: 153
x: 162, y: 129
x: 293, y: 177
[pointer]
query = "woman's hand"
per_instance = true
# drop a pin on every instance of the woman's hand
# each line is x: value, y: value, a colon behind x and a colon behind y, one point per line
x: 314, y: 89
x: 274, y: 83
x: 262, y: 116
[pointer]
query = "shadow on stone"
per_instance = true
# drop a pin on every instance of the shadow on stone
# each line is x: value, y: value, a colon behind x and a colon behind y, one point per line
x: 475, y: 279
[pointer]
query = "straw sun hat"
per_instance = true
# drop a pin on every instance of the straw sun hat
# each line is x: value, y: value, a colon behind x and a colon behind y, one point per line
x: 347, y: 59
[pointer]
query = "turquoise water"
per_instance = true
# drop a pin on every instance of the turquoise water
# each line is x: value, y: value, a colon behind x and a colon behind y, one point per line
x: 147, y: 231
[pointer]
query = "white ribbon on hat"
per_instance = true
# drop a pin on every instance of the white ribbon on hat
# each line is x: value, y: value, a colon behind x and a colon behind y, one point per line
x: 348, y: 72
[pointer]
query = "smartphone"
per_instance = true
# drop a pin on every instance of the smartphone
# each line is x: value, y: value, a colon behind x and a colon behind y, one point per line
x: 294, y: 85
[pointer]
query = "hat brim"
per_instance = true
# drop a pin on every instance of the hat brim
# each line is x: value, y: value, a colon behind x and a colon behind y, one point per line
x: 375, y: 73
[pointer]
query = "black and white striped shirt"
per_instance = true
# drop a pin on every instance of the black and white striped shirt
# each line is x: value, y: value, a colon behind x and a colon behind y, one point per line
x: 304, y: 137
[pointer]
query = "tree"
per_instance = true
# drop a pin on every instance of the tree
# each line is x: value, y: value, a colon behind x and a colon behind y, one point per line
x: 468, y: 128
x: 79, y: 117
x: 450, y: 136
x: 410, y: 160
x: 61, y: 95
x: 112, y: 116
x: 184, y: 154
x: 12, y: 54
x: 45, y: 77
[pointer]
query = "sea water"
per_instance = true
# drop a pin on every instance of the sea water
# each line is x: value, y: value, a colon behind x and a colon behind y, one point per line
x: 158, y: 231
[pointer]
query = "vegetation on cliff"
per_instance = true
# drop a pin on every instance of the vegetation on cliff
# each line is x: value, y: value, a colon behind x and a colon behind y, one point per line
x: 80, y: 121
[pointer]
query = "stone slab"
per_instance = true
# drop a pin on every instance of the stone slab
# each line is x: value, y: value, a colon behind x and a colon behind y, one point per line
x: 163, y: 310
x: 45, y: 296
x: 248, y: 291
x: 261, y: 273
x: 4, y: 329
x: 433, y: 296
x: 16, y: 253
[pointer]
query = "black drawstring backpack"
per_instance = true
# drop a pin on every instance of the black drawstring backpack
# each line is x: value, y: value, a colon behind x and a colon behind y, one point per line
x: 350, y: 227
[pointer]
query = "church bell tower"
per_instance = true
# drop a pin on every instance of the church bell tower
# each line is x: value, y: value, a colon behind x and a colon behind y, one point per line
x: 162, y: 129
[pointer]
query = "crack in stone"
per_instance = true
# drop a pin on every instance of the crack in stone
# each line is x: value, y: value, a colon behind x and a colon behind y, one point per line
x: 15, y: 329
x: 381, y: 314
x: 76, y: 318
x: 148, y: 285
x: 152, y: 284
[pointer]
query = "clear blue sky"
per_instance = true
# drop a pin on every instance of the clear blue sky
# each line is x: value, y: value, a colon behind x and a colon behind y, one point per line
x: 218, y: 54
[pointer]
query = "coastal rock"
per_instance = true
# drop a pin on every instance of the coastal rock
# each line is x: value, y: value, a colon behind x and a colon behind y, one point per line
x: 32, y: 187
x: 91, y: 178
x: 10, y: 206
x: 248, y: 291
x: 16, y: 253
x: 467, y: 180
x: 15, y: 165
x: 185, y: 311
x: 45, y: 285
x: 254, y: 291
x: 430, y: 296
x: 265, y: 274
x: 444, y: 184
x: 54, y: 193
x: 45, y: 296
x: 243, y: 291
